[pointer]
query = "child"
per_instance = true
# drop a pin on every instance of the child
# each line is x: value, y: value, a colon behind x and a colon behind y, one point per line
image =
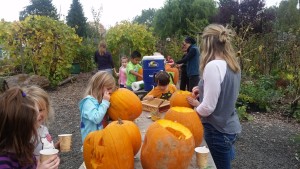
x: 164, y: 89
x: 41, y: 98
x: 122, y: 72
x: 18, y: 132
x: 132, y: 69
x: 95, y: 103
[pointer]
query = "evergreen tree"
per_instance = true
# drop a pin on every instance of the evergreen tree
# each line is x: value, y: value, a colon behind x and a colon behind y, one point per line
x: 39, y: 7
x: 76, y: 18
x: 146, y: 17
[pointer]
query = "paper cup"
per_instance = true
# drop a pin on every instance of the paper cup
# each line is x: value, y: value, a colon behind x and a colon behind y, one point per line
x: 65, y: 142
x: 201, y: 156
x: 47, y: 153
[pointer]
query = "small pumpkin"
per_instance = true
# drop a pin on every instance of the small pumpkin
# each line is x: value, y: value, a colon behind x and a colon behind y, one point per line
x: 167, y: 144
x: 175, y: 72
x: 133, y: 132
x: 124, y: 104
x: 108, y: 148
x: 179, y: 98
x: 140, y: 71
x: 190, y: 119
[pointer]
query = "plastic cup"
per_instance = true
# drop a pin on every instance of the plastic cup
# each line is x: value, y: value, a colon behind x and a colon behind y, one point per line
x: 47, y: 153
x: 201, y: 156
x: 65, y: 142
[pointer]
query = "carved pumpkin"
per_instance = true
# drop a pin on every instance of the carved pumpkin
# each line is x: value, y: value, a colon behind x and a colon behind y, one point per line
x: 133, y: 132
x: 179, y: 98
x: 108, y: 148
x: 175, y: 71
x: 167, y: 144
x: 140, y: 71
x: 190, y: 119
x: 124, y: 104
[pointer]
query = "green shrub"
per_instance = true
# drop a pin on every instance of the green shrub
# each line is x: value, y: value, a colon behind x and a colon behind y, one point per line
x: 259, y: 95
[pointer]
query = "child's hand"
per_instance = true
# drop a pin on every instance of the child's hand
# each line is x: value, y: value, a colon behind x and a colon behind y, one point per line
x: 57, y: 145
x: 150, y: 97
x: 106, y: 95
x: 117, y: 74
x: 51, y: 163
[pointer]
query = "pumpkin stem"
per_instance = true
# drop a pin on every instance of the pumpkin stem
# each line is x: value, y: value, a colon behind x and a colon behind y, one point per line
x: 120, y: 121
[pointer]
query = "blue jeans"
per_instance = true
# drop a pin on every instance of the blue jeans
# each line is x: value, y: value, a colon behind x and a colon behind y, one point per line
x: 220, y: 146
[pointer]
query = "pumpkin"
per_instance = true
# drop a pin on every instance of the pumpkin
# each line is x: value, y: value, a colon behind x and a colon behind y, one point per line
x: 190, y: 119
x: 167, y: 144
x: 175, y: 72
x: 140, y: 71
x: 108, y: 148
x: 133, y: 132
x: 179, y: 98
x: 124, y: 104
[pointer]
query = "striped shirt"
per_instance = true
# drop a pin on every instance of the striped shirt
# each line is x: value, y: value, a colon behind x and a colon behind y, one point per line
x: 9, y: 161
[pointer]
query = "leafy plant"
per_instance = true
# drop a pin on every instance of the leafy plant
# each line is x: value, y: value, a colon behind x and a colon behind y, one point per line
x: 40, y: 45
x: 243, y: 115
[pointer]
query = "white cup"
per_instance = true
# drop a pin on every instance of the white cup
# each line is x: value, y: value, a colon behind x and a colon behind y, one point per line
x: 47, y: 153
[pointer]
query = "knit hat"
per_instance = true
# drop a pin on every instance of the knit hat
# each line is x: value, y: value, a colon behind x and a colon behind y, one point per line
x: 190, y: 40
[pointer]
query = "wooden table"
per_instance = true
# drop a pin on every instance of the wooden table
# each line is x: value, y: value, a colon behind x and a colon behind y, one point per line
x: 143, y: 122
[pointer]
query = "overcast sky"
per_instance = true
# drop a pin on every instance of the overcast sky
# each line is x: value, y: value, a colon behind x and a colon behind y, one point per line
x: 113, y: 10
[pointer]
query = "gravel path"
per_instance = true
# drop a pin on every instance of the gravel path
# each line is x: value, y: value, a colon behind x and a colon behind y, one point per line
x: 265, y: 143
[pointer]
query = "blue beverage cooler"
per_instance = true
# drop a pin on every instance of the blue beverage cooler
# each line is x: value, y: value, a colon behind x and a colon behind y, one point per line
x: 151, y: 65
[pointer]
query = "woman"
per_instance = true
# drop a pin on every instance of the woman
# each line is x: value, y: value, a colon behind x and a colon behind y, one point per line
x: 104, y: 59
x: 220, y: 84
x: 192, y: 62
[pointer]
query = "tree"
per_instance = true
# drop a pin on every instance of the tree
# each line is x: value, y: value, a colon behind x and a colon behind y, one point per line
x: 76, y: 18
x: 173, y: 17
x: 251, y: 12
x: 39, y: 7
x: 40, y: 45
x: 228, y: 13
x: 288, y: 16
x: 126, y: 37
x: 146, y: 17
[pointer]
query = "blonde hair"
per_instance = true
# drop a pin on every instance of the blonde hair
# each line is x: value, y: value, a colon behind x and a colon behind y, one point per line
x: 102, y: 45
x: 216, y: 39
x: 97, y: 83
x: 39, y: 95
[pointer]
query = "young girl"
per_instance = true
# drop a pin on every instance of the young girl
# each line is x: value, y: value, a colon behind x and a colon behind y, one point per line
x: 18, y: 132
x: 95, y: 103
x: 164, y: 89
x: 46, y: 113
x: 122, y: 72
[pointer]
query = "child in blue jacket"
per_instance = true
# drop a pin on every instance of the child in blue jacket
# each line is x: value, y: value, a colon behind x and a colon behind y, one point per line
x: 94, y: 105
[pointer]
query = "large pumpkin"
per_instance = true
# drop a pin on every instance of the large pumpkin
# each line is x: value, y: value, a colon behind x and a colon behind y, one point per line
x: 179, y: 98
x: 167, y: 144
x: 175, y: 72
x: 133, y: 132
x: 124, y: 104
x: 108, y: 148
x: 189, y: 118
x: 140, y: 71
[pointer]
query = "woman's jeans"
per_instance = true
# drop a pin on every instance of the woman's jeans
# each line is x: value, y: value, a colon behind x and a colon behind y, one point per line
x: 220, y: 146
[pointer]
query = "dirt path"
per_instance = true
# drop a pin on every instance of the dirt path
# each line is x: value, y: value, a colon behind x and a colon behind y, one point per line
x: 265, y: 143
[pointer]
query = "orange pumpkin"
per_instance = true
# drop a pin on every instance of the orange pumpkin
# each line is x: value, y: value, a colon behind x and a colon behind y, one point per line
x: 133, y: 132
x: 124, y: 104
x: 175, y: 71
x: 108, y: 148
x: 189, y: 118
x: 140, y: 71
x: 179, y: 98
x: 167, y: 144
